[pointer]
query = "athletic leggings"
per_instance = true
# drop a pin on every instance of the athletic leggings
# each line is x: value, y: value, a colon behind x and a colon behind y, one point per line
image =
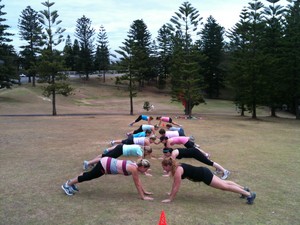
x: 96, y: 172
x: 141, y: 117
x: 128, y: 141
x: 140, y: 129
x: 181, y: 132
x: 194, y: 153
x: 189, y: 144
x: 114, y: 153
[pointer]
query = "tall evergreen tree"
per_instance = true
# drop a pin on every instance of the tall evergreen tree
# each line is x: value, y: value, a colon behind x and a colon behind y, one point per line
x: 141, y: 49
x: 186, y: 85
x: 4, y: 34
x: 102, y: 61
x: 51, y: 59
x: 238, y: 48
x: 85, y: 34
x: 125, y: 64
x: 154, y: 63
x: 212, y: 47
x: 274, y: 79
x: 135, y: 58
x: 292, y: 56
x: 165, y: 49
x: 8, y: 57
x: 30, y: 30
x: 76, y: 56
x: 68, y: 54
x: 251, y: 61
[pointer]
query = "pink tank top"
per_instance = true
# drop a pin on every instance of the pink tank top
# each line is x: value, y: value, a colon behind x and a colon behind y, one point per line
x: 179, y: 140
x: 165, y: 119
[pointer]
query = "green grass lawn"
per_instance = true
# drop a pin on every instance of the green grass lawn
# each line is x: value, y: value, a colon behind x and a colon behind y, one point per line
x: 39, y: 153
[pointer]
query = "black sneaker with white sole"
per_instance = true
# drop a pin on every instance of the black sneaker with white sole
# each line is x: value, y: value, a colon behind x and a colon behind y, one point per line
x: 67, y: 189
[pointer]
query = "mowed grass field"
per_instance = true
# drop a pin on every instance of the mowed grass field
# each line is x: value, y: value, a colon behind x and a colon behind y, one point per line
x: 39, y: 152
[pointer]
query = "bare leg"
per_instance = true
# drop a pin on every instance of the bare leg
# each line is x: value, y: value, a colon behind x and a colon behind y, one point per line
x: 176, y: 124
x: 129, y: 133
x: 219, y: 167
x: 108, y: 149
x: 73, y: 181
x: 114, y: 142
x: 94, y: 161
x: 227, y: 185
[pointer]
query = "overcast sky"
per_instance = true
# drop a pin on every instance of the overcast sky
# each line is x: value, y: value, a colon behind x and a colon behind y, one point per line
x: 117, y: 15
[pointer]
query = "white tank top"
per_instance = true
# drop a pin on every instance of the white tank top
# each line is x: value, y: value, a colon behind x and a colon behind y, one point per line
x: 139, y: 141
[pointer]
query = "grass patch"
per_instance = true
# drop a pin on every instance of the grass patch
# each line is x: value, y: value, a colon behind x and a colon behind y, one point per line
x: 38, y: 154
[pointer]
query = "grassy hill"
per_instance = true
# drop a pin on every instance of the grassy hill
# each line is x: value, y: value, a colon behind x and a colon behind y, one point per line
x: 96, y: 97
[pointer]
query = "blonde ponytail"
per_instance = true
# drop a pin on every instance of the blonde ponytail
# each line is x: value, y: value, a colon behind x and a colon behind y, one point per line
x: 143, y: 162
x: 169, y: 161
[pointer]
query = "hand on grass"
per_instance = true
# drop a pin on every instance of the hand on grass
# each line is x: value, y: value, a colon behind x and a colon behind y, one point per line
x: 147, y: 198
x: 166, y: 201
x: 148, y: 174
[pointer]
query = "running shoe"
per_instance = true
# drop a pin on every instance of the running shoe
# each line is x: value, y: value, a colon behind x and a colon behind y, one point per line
x: 192, y: 138
x: 67, y: 189
x: 225, y: 175
x: 85, y: 165
x: 217, y: 172
x: 251, y: 198
x: 74, y: 187
x: 246, y: 189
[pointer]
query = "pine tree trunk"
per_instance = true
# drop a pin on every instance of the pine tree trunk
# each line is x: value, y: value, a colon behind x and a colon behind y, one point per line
x: 273, y: 111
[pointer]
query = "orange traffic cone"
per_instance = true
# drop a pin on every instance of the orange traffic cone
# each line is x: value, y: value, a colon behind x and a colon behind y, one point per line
x: 162, y: 220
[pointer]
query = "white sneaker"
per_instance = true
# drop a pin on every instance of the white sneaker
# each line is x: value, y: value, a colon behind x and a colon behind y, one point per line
x: 218, y: 171
x: 192, y: 138
x: 85, y: 165
x: 225, y: 175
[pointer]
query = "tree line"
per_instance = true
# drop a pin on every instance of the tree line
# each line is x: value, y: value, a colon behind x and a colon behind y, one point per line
x: 257, y: 59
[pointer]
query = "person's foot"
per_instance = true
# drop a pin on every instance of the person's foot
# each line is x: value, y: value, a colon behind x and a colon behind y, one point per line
x: 73, y: 186
x: 217, y: 172
x: 85, y: 165
x: 112, y: 143
x: 225, y: 175
x: 251, y: 198
x: 67, y: 189
x: 246, y: 189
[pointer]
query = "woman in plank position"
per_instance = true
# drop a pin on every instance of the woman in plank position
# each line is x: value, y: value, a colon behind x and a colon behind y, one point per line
x: 107, y: 165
